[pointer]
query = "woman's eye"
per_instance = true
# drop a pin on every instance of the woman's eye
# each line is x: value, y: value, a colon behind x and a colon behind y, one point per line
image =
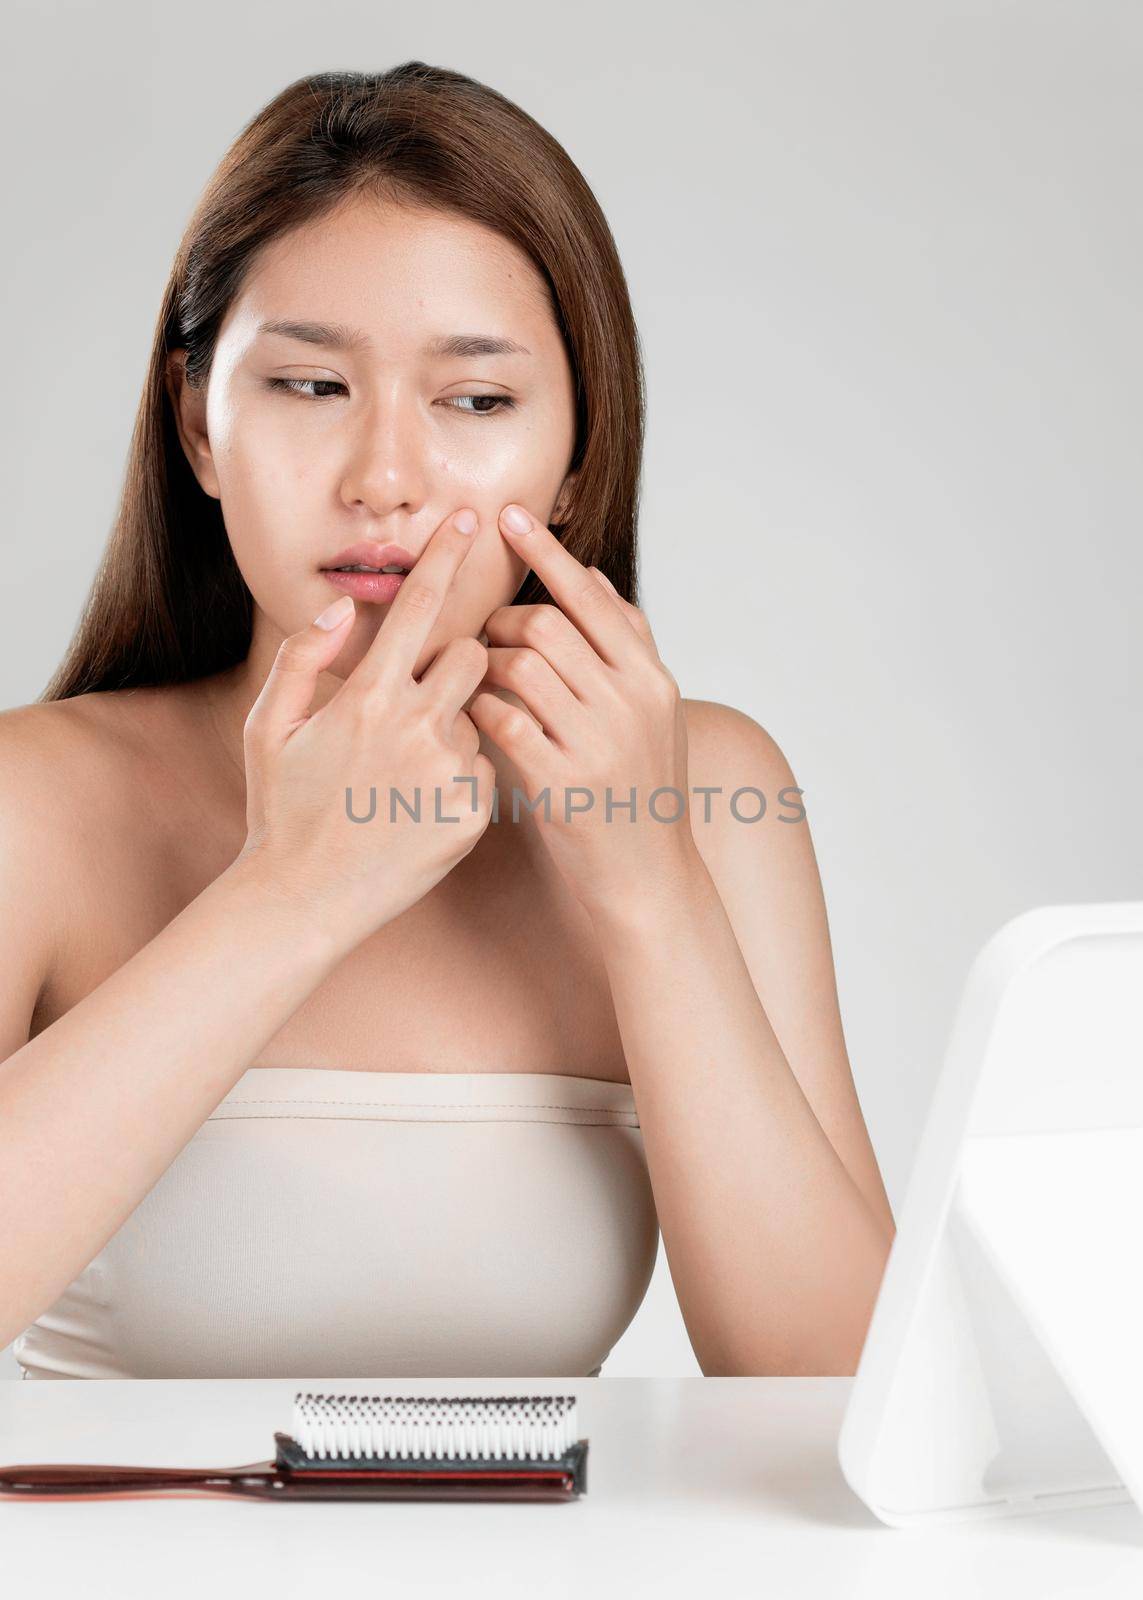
x: 484, y: 405
x: 496, y: 402
x: 301, y: 386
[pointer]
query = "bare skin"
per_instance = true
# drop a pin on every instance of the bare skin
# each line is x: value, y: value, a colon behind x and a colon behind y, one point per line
x: 526, y: 993
x: 126, y: 816
x: 300, y: 478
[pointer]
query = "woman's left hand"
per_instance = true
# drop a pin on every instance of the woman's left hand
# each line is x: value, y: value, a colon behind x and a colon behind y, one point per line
x: 610, y: 720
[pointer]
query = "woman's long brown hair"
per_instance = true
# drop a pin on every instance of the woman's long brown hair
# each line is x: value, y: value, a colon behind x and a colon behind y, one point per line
x: 168, y: 603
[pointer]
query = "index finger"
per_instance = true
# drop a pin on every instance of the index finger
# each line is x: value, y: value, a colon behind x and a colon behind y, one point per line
x: 417, y: 604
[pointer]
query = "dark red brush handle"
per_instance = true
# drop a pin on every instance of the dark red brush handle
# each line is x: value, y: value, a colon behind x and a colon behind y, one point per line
x: 264, y: 1480
x: 65, y: 1478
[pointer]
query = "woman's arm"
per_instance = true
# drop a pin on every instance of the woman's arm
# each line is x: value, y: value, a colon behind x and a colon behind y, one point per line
x: 774, y: 1217
x: 97, y: 1106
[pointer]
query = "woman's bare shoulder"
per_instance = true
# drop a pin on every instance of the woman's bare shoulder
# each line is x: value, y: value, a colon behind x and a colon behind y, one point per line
x: 85, y: 789
x: 63, y: 772
x: 64, y: 761
x: 726, y: 740
x: 89, y: 736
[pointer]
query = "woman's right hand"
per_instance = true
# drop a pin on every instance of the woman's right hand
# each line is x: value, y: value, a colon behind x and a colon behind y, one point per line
x: 382, y: 729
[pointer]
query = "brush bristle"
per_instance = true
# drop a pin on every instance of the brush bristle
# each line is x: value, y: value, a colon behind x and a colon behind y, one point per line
x: 432, y: 1428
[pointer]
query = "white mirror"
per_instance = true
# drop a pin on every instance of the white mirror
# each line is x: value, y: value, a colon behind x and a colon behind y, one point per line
x: 1003, y: 1368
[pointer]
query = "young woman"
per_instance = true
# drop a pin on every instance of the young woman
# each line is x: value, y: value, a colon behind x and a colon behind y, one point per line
x: 295, y: 1079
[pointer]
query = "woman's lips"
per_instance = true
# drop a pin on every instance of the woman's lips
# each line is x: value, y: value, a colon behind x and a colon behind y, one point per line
x: 376, y: 586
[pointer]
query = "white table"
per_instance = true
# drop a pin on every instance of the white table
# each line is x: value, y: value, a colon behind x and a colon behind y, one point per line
x: 695, y: 1486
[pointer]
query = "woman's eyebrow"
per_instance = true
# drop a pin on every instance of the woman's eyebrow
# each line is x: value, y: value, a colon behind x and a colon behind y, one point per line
x: 336, y: 336
x: 473, y: 344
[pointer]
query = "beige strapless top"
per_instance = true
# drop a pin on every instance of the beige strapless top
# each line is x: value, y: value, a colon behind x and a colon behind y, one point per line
x: 364, y: 1224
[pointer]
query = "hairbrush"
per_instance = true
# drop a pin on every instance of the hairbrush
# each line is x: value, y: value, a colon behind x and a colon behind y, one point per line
x: 373, y: 1447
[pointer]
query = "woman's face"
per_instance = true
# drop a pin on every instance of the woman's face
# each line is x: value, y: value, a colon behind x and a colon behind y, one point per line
x: 310, y: 447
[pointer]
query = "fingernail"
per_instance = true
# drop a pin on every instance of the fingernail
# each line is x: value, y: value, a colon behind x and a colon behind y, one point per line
x: 516, y: 519
x: 605, y: 580
x: 466, y: 521
x: 335, y: 613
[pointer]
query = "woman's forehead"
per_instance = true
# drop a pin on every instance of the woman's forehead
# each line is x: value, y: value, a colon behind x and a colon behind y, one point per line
x: 389, y: 269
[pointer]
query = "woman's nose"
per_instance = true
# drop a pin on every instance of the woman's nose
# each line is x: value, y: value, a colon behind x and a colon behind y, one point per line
x: 387, y: 466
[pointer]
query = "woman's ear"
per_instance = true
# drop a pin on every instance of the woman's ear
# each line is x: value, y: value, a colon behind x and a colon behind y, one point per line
x: 563, y: 499
x: 189, y: 406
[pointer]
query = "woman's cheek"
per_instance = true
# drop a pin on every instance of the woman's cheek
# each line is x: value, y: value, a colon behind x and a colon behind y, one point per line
x: 266, y: 487
x: 276, y: 536
x: 269, y: 453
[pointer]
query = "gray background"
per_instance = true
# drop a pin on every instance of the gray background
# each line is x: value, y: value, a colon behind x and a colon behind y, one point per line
x: 885, y: 260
